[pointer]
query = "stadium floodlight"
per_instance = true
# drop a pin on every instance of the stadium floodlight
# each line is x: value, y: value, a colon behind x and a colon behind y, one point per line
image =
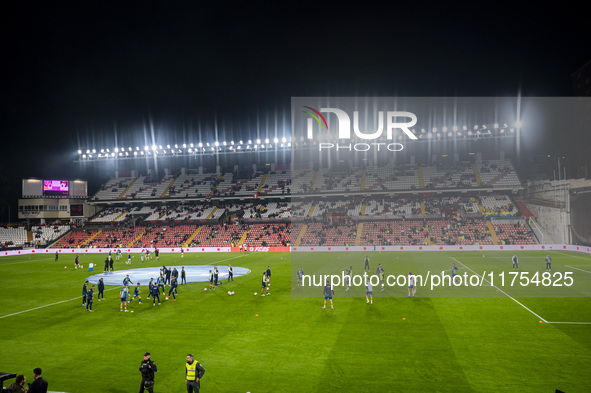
x: 224, y: 143
x: 444, y: 129
x: 262, y: 146
x: 465, y: 128
x: 422, y: 130
x: 83, y: 155
x: 249, y: 142
x: 108, y: 151
x: 99, y: 155
x: 116, y: 150
x: 475, y: 126
x: 184, y: 145
x: 282, y: 145
x: 470, y: 133
x: 275, y: 140
x: 137, y: 148
x: 207, y: 144
x: 496, y: 125
x: 284, y: 139
x: 267, y: 140
x: 241, y: 142
x: 212, y: 148
x: 511, y: 130
x: 79, y: 151
x: 216, y: 144
x: 449, y: 134
x: 142, y: 153
x: 191, y: 145
x: 232, y: 143
x: 176, y: 146
x: 434, y: 130
x: 238, y: 148
x: 518, y: 124
x: 258, y: 141
x: 289, y: 144
x: 154, y: 147
x: 93, y: 151
x: 454, y: 128
x: 429, y: 135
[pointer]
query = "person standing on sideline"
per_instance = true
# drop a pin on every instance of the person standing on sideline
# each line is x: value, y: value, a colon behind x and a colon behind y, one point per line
x: 269, y: 275
x: 84, y: 292
x: 90, y: 298
x: 182, y: 253
x: 366, y: 264
x: 111, y: 264
x: 175, y: 275
x: 157, y: 252
x: 548, y: 263
x: 76, y: 262
x: 183, y: 276
x: 101, y: 289
x: 515, y: 262
x: 147, y: 368
x: 106, y: 269
x: 230, y: 273
x: 328, y: 292
x: 368, y: 291
x: 39, y: 385
x: 56, y: 256
x: 193, y: 373
x: 211, y: 280
x: 300, y: 277
x: 129, y: 259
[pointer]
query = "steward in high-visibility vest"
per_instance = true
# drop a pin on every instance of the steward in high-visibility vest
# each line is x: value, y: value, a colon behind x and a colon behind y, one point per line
x: 193, y: 374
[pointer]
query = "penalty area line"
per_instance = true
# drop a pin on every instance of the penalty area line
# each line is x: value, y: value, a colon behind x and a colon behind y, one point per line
x: 572, y: 267
x: 47, y: 305
x: 500, y: 290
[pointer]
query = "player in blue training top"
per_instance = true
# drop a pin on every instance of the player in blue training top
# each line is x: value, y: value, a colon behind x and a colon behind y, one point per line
x: 136, y: 293
x: 380, y: 274
x: 76, y: 262
x: 173, y: 286
x: 128, y: 259
x: 124, y: 295
x: 126, y: 280
x: 264, y: 284
x: 515, y: 262
x: 454, y: 271
x: 300, y: 277
x: 328, y: 292
x: 155, y: 294
x: 101, y: 289
x: 160, y: 283
x: 548, y: 263
x: 348, y: 278
x: 118, y: 254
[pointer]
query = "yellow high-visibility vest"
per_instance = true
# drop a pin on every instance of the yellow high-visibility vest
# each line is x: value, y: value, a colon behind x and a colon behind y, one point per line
x: 191, y: 376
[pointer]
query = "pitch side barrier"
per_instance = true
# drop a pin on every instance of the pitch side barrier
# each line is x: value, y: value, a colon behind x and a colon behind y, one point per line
x: 530, y: 247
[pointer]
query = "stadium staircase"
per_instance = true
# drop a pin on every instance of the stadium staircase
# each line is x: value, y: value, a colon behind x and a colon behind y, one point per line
x: 119, y: 216
x: 421, y: 179
x: 138, y: 237
x: 314, y: 177
x: 362, y: 186
x: 211, y: 214
x: 300, y: 235
x: 493, y: 234
x: 263, y: 181
x: 477, y: 174
x: 85, y: 242
x: 358, y: 236
x: 29, y: 236
x: 127, y: 189
x: 168, y: 188
x: 482, y: 209
x: 243, y: 237
x: 423, y: 210
x: 362, y: 210
x: 311, y: 210
x: 496, y: 179
x: 160, y: 217
x: 190, y: 239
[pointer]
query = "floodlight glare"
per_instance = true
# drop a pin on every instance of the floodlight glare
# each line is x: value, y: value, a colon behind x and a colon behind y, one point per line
x: 258, y: 141
x: 434, y: 130
x: 191, y: 145
x: 200, y: 144
x: 154, y: 147
x: 241, y: 142
x: 216, y: 144
x: 238, y: 148
x: 454, y: 128
x: 289, y: 144
x: 518, y: 124
x: 176, y: 146
x: 475, y: 126
x: 263, y: 146
x: 184, y: 145
x: 207, y: 144
x: 79, y: 151
x: 283, y: 139
x: 267, y: 140
x: 495, y: 126
x: 444, y: 129
x: 116, y: 150
x: 249, y: 142
x: 83, y: 155
x: 232, y: 143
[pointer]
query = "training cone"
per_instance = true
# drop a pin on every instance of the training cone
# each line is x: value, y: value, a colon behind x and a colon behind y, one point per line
x: 541, y: 321
x: 404, y: 319
x: 256, y: 315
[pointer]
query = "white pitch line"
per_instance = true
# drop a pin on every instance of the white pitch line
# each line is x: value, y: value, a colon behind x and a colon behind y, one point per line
x: 572, y: 267
x: 47, y: 305
x: 574, y: 256
x: 572, y: 323
x: 499, y: 289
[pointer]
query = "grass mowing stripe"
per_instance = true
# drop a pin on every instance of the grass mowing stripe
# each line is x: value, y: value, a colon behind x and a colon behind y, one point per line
x: 500, y: 290
x: 47, y: 305
x: 586, y: 271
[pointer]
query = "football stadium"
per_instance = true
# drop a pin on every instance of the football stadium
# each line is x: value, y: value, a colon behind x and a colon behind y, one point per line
x: 354, y: 243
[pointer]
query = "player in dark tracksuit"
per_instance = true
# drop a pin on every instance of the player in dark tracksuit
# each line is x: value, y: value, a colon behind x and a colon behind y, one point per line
x: 172, y: 290
x: 155, y: 294
x: 175, y: 275
x: 106, y: 269
x: 101, y: 289
x: 84, y: 292
x: 183, y: 276
x: 150, y: 285
x: 269, y: 275
x: 230, y: 273
x: 215, y: 276
x: 56, y: 256
x: 168, y: 274
x: 111, y: 263
x: 90, y: 299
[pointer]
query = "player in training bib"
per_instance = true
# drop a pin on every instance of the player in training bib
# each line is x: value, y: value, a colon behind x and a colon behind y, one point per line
x: 411, y: 285
x: 123, y: 295
x: 328, y: 292
x: 136, y: 293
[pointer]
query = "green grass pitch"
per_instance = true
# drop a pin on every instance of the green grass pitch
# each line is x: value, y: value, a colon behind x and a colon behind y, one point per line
x: 480, y: 342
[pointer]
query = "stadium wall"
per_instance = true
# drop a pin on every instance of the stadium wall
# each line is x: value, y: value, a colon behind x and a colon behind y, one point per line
x: 531, y: 247
x: 553, y: 221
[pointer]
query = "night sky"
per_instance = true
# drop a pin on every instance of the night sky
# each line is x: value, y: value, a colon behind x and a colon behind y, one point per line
x: 74, y: 75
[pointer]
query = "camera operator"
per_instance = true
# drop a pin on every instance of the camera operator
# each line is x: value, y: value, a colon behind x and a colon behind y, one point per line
x: 147, y: 368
